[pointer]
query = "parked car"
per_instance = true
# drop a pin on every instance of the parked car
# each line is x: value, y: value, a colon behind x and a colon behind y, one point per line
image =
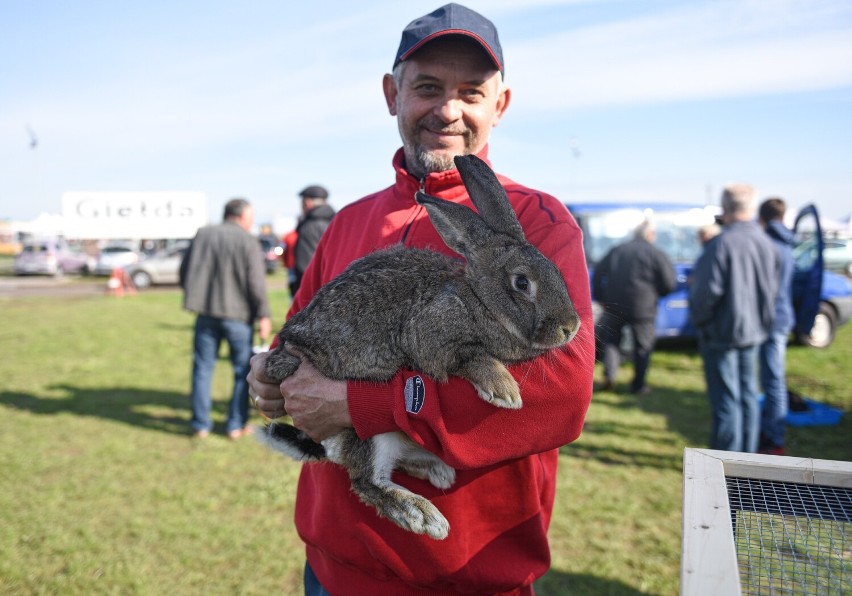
x: 115, y: 256
x: 272, y: 249
x: 51, y: 256
x: 837, y: 255
x: 158, y: 269
x: 822, y: 300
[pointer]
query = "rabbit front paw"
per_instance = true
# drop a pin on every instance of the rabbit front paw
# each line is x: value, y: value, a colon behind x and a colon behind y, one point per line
x: 493, y: 382
x: 502, y: 392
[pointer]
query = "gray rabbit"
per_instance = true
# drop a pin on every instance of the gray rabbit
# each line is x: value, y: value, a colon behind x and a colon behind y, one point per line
x: 406, y: 307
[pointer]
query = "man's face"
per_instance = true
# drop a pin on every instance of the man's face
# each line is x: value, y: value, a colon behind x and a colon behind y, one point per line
x: 449, y: 98
x: 246, y: 220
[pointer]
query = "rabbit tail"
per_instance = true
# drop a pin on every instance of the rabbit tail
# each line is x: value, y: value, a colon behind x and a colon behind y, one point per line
x: 290, y: 441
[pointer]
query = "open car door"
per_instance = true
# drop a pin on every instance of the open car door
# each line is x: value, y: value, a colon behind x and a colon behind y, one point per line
x: 808, y: 245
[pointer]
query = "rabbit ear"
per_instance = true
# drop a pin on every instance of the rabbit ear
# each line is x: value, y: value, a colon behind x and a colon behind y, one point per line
x: 460, y: 227
x: 489, y: 196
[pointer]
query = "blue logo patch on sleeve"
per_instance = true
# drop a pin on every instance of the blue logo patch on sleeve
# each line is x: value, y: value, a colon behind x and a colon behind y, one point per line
x: 415, y: 394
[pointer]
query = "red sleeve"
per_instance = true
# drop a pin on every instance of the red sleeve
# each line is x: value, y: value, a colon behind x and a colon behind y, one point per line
x: 556, y: 388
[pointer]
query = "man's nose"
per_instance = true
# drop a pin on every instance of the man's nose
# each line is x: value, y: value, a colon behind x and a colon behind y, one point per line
x: 449, y: 109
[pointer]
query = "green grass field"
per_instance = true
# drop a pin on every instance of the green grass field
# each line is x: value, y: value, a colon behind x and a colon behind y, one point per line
x: 103, y: 490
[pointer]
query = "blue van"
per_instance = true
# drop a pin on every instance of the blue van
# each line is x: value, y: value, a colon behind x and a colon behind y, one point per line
x: 822, y: 300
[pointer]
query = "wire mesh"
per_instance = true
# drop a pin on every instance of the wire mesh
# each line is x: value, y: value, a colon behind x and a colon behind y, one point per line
x: 791, y: 538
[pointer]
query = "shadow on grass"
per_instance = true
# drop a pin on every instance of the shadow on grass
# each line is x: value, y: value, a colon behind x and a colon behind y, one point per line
x: 632, y: 440
x: 687, y: 413
x: 687, y: 423
x: 557, y: 583
x: 137, y: 407
x: 625, y: 442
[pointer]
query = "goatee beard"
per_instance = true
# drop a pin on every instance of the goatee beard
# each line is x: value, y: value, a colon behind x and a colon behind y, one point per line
x: 428, y: 162
x: 421, y: 161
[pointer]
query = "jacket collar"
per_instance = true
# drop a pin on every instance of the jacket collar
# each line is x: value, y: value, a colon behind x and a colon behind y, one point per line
x: 447, y: 185
x: 779, y: 232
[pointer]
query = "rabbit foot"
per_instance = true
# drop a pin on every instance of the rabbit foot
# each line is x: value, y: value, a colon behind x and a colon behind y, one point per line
x: 416, y: 514
x: 439, y: 474
x: 442, y: 476
x: 404, y: 508
x: 510, y: 401
x: 493, y: 382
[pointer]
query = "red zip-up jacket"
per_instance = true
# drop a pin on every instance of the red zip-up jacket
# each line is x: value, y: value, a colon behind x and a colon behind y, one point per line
x: 500, y: 506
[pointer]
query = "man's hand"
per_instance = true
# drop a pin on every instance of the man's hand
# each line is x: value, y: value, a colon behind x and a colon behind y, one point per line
x: 316, y: 404
x: 264, y: 328
x: 265, y: 391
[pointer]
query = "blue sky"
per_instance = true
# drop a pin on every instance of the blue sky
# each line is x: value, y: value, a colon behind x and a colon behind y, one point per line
x: 612, y: 99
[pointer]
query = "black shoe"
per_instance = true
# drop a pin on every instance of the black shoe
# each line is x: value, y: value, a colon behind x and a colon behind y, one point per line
x: 643, y: 390
x: 607, y: 386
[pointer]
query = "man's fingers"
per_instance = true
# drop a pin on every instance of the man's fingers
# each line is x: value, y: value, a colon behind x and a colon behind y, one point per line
x: 270, y: 409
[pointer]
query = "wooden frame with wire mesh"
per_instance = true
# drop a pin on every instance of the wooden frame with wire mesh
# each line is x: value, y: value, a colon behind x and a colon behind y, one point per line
x: 763, y: 524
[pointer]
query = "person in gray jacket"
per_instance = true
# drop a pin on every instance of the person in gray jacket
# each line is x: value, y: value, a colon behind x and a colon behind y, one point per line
x: 732, y: 305
x: 629, y: 282
x: 223, y: 278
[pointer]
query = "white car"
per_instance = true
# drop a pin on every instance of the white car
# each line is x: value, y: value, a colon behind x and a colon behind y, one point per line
x: 837, y: 255
x: 115, y: 256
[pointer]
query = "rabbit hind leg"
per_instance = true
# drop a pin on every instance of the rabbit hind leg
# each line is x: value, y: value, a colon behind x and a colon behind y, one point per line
x: 427, y: 466
x: 407, y: 510
x: 371, y: 481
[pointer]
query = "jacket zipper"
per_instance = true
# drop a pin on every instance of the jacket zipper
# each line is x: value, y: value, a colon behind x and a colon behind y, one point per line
x: 411, y: 223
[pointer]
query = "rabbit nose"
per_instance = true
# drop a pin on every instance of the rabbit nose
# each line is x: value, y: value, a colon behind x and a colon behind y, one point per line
x: 571, y: 328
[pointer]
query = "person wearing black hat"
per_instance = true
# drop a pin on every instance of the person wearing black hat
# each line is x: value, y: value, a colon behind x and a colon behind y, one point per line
x: 316, y: 215
x: 447, y: 93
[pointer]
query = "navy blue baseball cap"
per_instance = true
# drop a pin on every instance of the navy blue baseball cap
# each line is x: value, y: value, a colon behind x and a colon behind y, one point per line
x: 451, y: 19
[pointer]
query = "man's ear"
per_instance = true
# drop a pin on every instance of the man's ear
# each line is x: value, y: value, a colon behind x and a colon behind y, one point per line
x: 503, y: 101
x: 390, y: 91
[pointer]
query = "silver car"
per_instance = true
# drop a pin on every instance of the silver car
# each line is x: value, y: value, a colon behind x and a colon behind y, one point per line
x: 158, y: 269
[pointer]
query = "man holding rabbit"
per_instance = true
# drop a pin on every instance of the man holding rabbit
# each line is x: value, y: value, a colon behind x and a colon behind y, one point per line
x: 447, y: 93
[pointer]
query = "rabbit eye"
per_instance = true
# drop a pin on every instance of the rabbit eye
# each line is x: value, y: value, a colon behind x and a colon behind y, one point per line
x: 521, y: 283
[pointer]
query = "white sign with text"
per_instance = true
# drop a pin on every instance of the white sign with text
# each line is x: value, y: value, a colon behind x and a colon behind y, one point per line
x: 133, y: 215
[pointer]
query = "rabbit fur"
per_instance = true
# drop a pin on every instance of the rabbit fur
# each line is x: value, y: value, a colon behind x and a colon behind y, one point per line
x: 406, y: 307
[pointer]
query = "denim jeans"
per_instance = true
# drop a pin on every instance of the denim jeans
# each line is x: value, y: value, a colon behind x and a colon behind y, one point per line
x: 731, y: 377
x: 313, y: 587
x: 209, y: 333
x: 773, y: 380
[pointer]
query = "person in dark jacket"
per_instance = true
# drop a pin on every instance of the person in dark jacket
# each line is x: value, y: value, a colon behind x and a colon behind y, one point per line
x: 773, y: 350
x: 732, y: 305
x: 223, y: 278
x: 316, y: 215
x: 629, y: 282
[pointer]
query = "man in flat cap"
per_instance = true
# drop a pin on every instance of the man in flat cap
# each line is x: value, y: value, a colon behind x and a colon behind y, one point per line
x: 447, y: 93
x: 316, y: 215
